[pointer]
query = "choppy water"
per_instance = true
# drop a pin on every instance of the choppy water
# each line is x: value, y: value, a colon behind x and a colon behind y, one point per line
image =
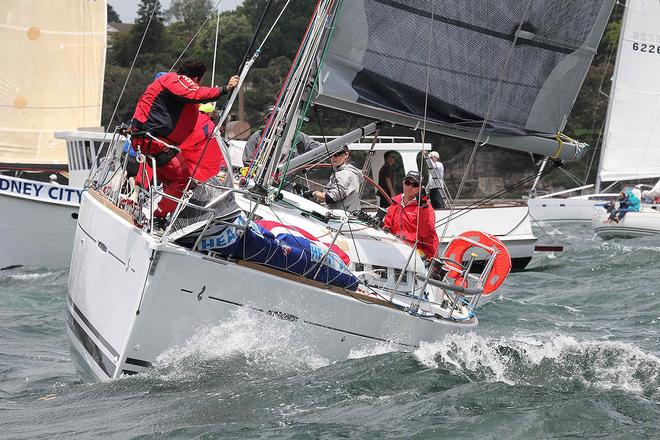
x: 568, y: 349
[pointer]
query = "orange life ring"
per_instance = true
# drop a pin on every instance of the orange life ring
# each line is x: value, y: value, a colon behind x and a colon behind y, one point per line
x: 457, y: 249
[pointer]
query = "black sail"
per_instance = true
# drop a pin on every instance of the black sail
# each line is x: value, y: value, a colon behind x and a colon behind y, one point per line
x: 384, y: 55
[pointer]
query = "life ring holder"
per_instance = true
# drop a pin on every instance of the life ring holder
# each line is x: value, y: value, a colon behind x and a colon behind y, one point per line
x: 496, y: 269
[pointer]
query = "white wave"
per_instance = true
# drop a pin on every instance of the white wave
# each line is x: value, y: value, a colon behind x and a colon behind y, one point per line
x: 372, y: 350
x: 262, y: 341
x: 30, y: 276
x: 516, y: 360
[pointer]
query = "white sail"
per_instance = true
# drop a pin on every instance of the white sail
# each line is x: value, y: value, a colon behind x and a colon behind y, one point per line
x: 631, y: 147
x: 51, y: 75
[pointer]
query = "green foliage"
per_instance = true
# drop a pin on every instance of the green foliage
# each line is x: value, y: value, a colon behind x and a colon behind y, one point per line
x: 156, y: 41
x: 188, y: 14
x: 112, y: 15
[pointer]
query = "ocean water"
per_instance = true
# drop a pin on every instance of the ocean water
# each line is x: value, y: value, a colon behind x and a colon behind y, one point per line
x: 567, y: 349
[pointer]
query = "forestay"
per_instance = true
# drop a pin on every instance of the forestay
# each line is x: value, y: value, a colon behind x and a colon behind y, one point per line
x: 377, y: 63
x: 631, y: 147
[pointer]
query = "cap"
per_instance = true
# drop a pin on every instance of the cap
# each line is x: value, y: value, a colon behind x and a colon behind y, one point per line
x: 414, y: 175
x: 207, y: 107
x: 434, y: 154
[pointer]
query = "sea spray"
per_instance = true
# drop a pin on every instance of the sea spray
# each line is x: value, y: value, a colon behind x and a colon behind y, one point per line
x: 548, y: 360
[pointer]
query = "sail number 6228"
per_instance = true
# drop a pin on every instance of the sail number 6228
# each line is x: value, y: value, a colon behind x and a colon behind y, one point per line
x: 648, y: 48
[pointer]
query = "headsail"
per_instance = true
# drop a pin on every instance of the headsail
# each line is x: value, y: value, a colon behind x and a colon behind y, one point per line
x: 51, y: 76
x: 631, y: 146
x: 377, y: 62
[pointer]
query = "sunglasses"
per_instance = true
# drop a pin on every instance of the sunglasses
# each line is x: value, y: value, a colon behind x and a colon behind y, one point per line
x: 411, y: 183
x: 338, y: 154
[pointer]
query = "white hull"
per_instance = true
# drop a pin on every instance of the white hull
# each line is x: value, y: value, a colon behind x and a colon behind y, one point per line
x: 566, y: 210
x: 510, y: 223
x: 634, y: 224
x: 37, y: 223
x: 131, y: 298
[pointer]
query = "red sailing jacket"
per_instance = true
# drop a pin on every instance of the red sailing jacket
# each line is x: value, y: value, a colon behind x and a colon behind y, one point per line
x: 168, y: 107
x: 402, y: 221
x: 205, y: 163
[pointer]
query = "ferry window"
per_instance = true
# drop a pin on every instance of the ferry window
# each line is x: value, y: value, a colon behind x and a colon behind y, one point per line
x: 382, y: 271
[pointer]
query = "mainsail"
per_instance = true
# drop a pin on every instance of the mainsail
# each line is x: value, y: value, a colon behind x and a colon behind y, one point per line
x: 51, y: 76
x: 631, y: 146
x: 439, y: 64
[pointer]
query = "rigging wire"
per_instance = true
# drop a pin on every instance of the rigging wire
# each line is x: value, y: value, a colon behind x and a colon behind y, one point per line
x: 130, y: 70
x: 491, y: 104
x: 597, y: 145
x: 195, y: 36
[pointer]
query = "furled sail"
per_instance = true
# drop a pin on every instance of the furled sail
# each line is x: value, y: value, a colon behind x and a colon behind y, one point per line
x: 384, y: 55
x: 631, y: 146
x: 51, y: 75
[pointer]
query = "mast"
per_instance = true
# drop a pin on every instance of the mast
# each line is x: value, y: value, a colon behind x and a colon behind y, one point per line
x: 608, y: 114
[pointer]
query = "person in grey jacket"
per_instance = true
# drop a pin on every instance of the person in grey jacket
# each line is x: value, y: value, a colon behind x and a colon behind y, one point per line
x: 343, y: 190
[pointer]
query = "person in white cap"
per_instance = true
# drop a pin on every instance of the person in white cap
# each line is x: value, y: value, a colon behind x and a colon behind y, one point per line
x: 436, y: 181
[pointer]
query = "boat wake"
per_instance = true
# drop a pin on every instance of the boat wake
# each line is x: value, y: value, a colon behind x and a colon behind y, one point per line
x: 249, y: 339
x: 554, y: 361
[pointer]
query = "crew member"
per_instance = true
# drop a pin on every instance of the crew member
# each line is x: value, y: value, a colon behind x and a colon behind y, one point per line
x: 409, y: 209
x: 343, y: 190
x: 436, y: 183
x: 168, y: 111
x: 386, y: 178
x: 201, y: 150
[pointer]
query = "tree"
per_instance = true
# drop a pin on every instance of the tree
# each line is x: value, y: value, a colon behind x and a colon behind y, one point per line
x: 190, y: 14
x: 113, y: 17
x: 156, y: 41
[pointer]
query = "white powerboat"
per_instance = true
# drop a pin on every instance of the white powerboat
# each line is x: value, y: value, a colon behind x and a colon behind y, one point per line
x: 52, y: 79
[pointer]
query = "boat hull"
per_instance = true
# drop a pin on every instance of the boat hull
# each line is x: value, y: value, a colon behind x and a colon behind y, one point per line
x: 510, y: 223
x: 634, y: 224
x: 132, y: 298
x: 37, y: 223
x: 555, y: 210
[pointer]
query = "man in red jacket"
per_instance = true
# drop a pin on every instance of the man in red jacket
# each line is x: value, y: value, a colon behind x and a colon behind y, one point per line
x: 168, y: 111
x: 402, y: 215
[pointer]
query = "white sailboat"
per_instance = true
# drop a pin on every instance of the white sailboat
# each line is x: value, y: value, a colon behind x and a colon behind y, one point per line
x: 631, y: 147
x: 133, y: 294
x: 53, y: 54
x: 631, y: 142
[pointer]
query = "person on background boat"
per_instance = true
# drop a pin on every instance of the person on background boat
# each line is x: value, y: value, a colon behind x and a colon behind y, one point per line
x: 343, y: 190
x: 436, y: 181
x: 304, y: 144
x: 410, y: 209
x: 628, y: 202
x: 653, y: 194
x: 386, y: 178
x: 168, y: 111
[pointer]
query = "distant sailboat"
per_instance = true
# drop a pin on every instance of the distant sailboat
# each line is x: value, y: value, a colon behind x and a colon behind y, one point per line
x: 631, y: 142
x: 631, y: 147
x: 51, y: 79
